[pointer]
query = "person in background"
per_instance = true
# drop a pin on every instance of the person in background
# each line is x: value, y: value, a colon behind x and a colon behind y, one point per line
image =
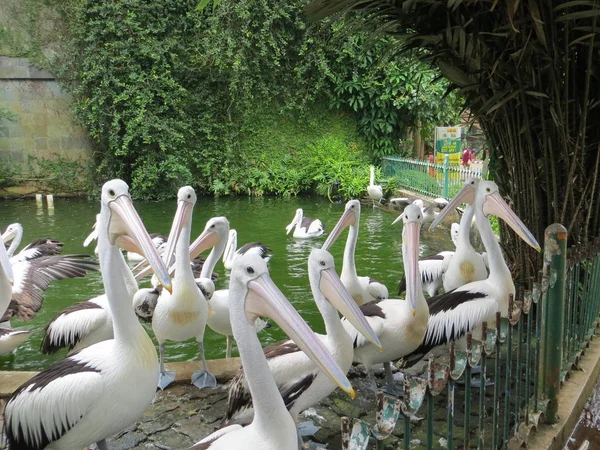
x: 466, y: 157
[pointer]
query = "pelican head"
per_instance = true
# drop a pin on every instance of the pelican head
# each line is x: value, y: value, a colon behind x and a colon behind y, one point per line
x: 321, y: 269
x: 230, y: 248
x: 454, y: 232
x: 215, y: 232
x: 123, y: 219
x: 491, y: 202
x: 350, y: 217
x: 297, y: 218
x: 12, y: 231
x: 412, y: 218
x: 262, y: 298
x: 186, y: 199
x: 206, y: 286
x: 466, y: 195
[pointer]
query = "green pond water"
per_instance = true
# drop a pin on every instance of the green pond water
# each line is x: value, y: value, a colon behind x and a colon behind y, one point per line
x: 263, y: 219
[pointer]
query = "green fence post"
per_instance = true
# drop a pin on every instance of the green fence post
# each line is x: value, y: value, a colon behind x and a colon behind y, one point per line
x: 555, y: 265
x: 446, y: 176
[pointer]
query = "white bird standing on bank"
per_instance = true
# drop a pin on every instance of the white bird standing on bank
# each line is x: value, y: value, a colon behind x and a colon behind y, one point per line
x: 305, y: 226
x: 301, y: 383
x: 253, y: 294
x: 375, y: 191
x: 182, y: 314
x: 399, y: 325
x: 362, y: 289
x: 105, y: 388
x: 455, y: 313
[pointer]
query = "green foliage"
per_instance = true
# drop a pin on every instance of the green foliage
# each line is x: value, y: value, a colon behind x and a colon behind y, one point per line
x: 229, y: 98
x: 9, y: 171
x: 391, y: 96
x: 59, y: 174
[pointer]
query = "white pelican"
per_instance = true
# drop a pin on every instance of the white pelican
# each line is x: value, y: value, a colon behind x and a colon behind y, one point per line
x: 218, y: 305
x: 37, y: 248
x: 429, y: 213
x: 9, y: 338
x: 300, y: 381
x: 34, y: 268
x: 457, y: 312
x: 90, y: 396
x: 375, y: 191
x: 362, y: 289
x: 305, y: 226
x: 230, y: 250
x: 399, y: 325
x: 182, y: 315
x: 253, y: 294
x: 465, y: 265
x: 157, y: 239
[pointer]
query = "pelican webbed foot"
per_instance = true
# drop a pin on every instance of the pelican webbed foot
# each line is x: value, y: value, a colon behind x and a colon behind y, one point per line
x: 204, y: 379
x: 165, y: 379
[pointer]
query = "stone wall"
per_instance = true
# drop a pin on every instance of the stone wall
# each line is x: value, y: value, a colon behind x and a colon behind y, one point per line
x: 44, y: 127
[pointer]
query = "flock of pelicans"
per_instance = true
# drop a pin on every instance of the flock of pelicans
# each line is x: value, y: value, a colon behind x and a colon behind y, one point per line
x: 112, y: 372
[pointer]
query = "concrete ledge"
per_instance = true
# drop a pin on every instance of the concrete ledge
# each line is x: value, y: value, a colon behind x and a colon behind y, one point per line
x: 223, y: 369
x: 573, y: 396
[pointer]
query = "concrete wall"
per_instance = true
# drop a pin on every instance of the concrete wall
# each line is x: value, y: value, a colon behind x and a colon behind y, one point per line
x: 44, y: 127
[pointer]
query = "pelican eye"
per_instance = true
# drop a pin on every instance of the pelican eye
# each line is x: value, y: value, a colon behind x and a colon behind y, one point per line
x: 322, y: 263
x: 111, y: 192
x: 419, y: 216
x: 406, y: 216
x: 250, y: 270
x: 472, y: 182
x: 189, y: 196
x: 489, y: 190
x: 213, y: 225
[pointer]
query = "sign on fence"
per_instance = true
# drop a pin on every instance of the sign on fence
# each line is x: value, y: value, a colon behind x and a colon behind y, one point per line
x: 447, y: 142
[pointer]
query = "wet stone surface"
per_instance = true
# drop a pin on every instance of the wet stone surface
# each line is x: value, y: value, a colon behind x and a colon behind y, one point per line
x: 182, y: 415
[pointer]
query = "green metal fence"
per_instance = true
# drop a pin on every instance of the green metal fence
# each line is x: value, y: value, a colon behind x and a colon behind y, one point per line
x: 524, y: 358
x: 430, y: 179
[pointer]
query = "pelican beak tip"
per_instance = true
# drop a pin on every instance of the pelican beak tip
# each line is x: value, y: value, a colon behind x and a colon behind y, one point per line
x: 169, y: 288
x: 539, y: 249
x: 380, y: 348
x: 352, y: 394
x: 414, y: 313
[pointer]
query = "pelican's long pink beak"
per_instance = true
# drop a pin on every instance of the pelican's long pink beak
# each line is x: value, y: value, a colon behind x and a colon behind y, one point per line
x: 347, y: 219
x: 134, y: 228
x: 466, y: 195
x: 265, y: 299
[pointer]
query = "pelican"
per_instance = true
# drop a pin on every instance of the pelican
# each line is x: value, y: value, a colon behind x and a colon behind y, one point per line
x: 465, y: 265
x: 362, y: 289
x: 39, y: 247
x: 157, y: 239
x: 253, y: 294
x: 375, y: 191
x: 182, y: 315
x: 431, y: 270
x: 305, y: 226
x: 9, y: 339
x: 218, y: 305
x: 299, y: 380
x: 429, y: 213
x: 34, y: 268
x: 231, y: 253
x: 464, y: 309
x: 400, y: 325
x: 90, y: 396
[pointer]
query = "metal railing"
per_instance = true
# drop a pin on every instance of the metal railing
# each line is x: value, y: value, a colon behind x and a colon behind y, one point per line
x: 549, y: 325
x: 430, y: 179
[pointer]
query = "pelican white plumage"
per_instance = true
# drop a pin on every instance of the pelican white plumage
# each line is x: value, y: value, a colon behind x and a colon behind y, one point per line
x: 464, y: 309
x: 34, y: 268
x: 465, y: 265
x: 399, y: 325
x: 9, y: 339
x: 375, y: 191
x: 103, y: 389
x: 300, y: 381
x: 362, y: 289
x: 182, y: 315
x: 218, y: 305
x: 305, y: 227
x: 431, y: 270
x: 430, y: 212
x: 253, y: 294
x: 254, y: 247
